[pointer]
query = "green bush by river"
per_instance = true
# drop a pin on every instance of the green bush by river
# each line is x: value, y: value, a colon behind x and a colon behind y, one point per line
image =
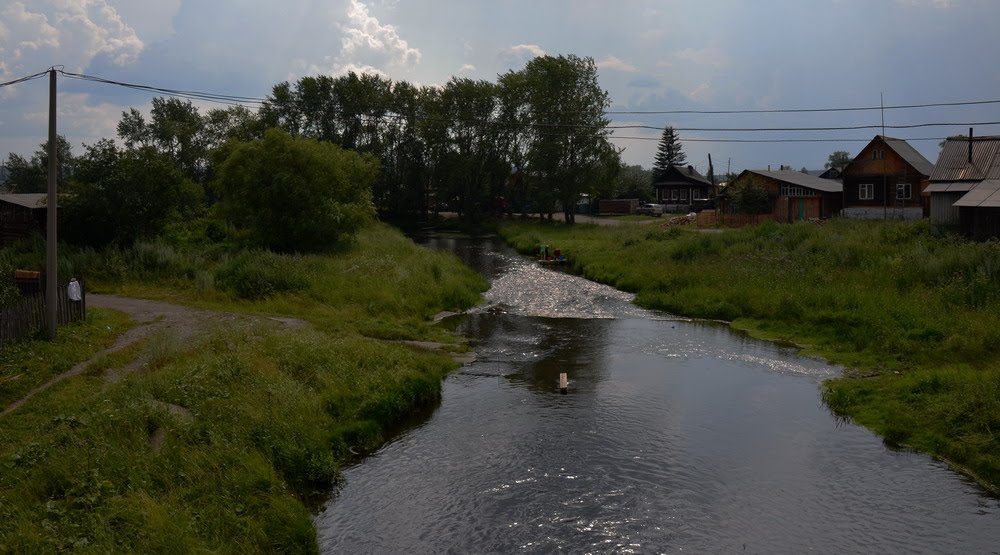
x: 915, y: 318
x: 222, y: 442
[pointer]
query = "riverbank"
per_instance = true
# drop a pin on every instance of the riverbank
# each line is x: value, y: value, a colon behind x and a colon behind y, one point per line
x: 914, y: 318
x: 224, y: 440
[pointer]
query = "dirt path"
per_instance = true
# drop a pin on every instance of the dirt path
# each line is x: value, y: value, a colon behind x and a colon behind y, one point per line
x: 151, y: 317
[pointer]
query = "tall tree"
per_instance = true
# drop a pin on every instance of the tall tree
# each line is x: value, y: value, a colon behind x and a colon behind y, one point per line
x: 668, y: 153
x: 838, y: 159
x: 31, y: 175
x: 569, y: 137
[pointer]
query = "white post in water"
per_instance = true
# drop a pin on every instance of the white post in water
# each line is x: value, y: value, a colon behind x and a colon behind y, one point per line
x: 563, y: 383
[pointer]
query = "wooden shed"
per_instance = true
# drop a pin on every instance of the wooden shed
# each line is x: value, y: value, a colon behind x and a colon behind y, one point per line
x: 21, y: 215
x: 964, y: 165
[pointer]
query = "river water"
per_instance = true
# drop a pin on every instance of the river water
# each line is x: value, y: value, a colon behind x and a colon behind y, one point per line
x: 674, y: 436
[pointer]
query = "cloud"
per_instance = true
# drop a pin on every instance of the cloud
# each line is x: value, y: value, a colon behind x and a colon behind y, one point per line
x: 702, y: 56
x: 644, y: 82
x: 366, y: 37
x: 72, y: 32
x: 939, y: 4
x: 521, y: 53
x: 467, y: 67
x: 700, y: 92
x: 612, y: 62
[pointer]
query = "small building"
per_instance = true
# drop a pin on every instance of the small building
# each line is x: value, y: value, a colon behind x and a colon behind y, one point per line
x: 793, y: 195
x: 682, y: 189
x: 962, y: 187
x: 887, y: 180
x: 21, y: 215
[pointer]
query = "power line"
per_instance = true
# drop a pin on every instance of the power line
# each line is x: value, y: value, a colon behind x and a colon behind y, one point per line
x: 24, y: 79
x: 805, y: 110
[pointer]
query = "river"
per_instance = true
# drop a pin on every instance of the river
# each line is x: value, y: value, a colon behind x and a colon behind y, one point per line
x: 674, y: 436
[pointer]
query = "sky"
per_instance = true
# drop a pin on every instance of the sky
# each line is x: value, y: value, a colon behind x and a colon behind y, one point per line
x: 661, y: 55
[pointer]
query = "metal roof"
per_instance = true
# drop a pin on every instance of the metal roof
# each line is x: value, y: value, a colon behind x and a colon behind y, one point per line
x: 27, y: 200
x: 802, y: 179
x: 950, y: 187
x: 908, y: 153
x: 953, y: 162
x: 983, y: 195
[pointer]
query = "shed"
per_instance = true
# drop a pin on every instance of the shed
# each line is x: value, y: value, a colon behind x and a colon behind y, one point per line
x: 793, y: 195
x: 21, y: 214
x: 964, y: 164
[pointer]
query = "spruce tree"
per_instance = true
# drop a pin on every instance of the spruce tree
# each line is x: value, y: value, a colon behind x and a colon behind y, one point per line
x: 668, y: 153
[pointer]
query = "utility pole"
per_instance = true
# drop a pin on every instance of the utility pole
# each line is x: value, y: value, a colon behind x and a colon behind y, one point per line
x: 51, y: 264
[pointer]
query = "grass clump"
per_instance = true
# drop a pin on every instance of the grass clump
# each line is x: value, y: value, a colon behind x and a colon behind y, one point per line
x: 922, y: 313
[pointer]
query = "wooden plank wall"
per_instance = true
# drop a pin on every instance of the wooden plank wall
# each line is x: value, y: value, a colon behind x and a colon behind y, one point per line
x: 26, y: 316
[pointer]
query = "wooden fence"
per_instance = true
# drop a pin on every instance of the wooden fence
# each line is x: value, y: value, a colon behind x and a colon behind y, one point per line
x: 714, y: 218
x: 26, y: 316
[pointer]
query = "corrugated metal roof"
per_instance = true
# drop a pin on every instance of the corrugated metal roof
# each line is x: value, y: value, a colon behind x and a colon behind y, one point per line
x: 950, y: 187
x: 984, y: 195
x: 908, y: 153
x: 953, y: 162
x: 28, y: 200
x: 802, y: 179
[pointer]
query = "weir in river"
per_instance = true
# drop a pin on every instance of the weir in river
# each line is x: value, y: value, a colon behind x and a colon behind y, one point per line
x: 673, y: 435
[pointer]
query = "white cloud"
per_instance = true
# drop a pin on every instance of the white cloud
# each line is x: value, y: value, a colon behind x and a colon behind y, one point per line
x: 520, y: 54
x: 366, y: 37
x: 700, y: 92
x: 71, y: 32
x: 612, y: 62
x: 466, y: 67
x: 703, y: 56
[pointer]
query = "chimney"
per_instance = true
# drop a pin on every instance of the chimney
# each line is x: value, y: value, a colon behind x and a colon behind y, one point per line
x: 769, y: 167
x: 970, y: 145
x: 690, y: 170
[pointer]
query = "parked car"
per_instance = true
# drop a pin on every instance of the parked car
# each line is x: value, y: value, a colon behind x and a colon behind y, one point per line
x: 649, y: 209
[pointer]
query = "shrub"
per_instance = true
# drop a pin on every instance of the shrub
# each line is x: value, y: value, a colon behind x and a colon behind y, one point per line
x: 260, y: 274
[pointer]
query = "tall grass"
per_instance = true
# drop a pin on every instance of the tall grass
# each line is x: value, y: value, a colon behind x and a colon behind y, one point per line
x: 268, y: 414
x: 880, y: 297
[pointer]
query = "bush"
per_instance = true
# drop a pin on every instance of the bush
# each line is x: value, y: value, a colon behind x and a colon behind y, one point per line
x: 295, y: 194
x: 260, y: 274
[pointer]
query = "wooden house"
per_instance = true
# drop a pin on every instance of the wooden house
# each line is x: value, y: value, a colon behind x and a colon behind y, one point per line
x: 963, y: 187
x: 887, y: 180
x: 682, y: 189
x: 21, y: 215
x: 793, y: 195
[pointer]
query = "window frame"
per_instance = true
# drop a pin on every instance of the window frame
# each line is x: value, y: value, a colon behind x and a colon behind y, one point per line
x: 906, y: 187
x: 861, y: 191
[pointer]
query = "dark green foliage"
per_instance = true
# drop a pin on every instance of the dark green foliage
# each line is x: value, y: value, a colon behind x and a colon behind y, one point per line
x: 295, y: 194
x: 747, y: 197
x: 839, y: 159
x: 668, y: 153
x: 124, y: 196
x: 260, y: 274
x: 31, y: 176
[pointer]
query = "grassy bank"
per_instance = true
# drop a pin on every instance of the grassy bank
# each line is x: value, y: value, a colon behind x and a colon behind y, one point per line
x: 222, y: 443
x: 916, y: 318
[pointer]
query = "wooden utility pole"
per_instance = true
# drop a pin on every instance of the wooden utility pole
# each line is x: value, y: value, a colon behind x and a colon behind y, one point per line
x: 51, y: 264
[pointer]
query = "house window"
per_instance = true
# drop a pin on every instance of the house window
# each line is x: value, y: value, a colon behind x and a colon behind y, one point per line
x: 673, y: 194
x: 684, y: 195
x: 866, y: 191
x: 796, y: 191
x: 903, y: 191
x: 878, y: 154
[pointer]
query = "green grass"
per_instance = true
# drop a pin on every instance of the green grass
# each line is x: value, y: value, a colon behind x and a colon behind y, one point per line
x: 272, y: 412
x: 886, y: 299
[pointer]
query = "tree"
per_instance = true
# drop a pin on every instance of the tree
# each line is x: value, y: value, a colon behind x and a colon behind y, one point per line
x: 747, y: 197
x: 294, y: 194
x: 32, y: 176
x: 838, y: 159
x: 120, y: 197
x: 568, y: 139
x: 668, y: 153
x: 175, y: 128
x: 633, y: 182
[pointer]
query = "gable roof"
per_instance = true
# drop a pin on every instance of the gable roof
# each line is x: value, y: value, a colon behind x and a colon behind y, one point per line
x: 910, y: 154
x: 953, y: 162
x: 27, y: 200
x: 802, y: 179
x: 688, y: 173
